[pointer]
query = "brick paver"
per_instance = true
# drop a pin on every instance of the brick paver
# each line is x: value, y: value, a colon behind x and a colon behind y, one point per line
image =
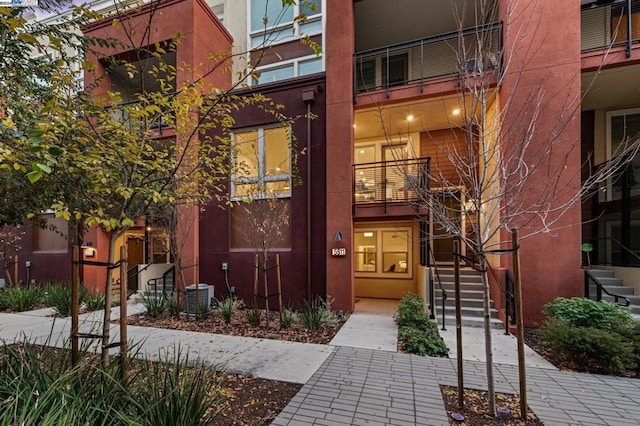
x: 369, y: 387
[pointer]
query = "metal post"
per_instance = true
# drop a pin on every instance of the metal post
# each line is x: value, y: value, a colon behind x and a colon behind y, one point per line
x: 629, y: 28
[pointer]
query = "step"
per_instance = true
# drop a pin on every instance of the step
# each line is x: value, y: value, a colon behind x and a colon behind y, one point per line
x: 465, y: 303
x: 472, y: 322
x: 611, y: 281
x: 465, y: 294
x: 475, y: 312
x: 463, y: 278
x: 619, y: 290
x: 450, y: 287
x: 602, y: 273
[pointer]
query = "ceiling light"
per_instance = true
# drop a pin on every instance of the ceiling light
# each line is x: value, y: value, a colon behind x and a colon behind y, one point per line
x: 362, y: 151
x: 455, y: 111
x: 410, y: 117
x: 368, y: 234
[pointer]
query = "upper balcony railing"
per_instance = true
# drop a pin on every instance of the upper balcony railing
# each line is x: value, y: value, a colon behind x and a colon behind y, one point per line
x: 605, y: 25
x: 397, y: 181
x: 428, y: 58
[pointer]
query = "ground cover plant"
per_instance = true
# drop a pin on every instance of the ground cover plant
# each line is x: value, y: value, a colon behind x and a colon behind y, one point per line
x: 38, y: 386
x: 417, y: 333
x: 587, y: 335
x: 18, y: 298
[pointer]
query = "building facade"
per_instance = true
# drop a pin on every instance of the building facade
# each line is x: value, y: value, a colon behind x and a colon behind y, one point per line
x: 390, y: 92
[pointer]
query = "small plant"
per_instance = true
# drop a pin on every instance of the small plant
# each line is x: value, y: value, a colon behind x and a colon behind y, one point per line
x: 422, y: 342
x: 226, y: 308
x: 202, y: 311
x: 93, y: 300
x: 58, y: 297
x: 20, y: 299
x: 316, y: 313
x: 288, y: 318
x: 411, y: 312
x: 253, y: 316
x: 172, y: 306
x: 155, y: 304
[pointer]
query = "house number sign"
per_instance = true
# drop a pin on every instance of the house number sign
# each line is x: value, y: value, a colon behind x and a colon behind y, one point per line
x: 339, y: 252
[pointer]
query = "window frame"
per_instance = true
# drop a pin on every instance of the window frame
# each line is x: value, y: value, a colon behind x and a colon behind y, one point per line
x: 294, y: 63
x: 292, y: 28
x: 609, y: 195
x: 380, y: 252
x: 262, y: 179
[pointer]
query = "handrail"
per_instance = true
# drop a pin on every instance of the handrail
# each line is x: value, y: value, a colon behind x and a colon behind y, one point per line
x: 154, y: 281
x: 588, y: 275
x: 442, y: 290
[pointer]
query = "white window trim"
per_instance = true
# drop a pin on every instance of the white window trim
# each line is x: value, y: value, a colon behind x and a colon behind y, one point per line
x: 296, y: 66
x: 609, y: 153
x: 295, y: 26
x: 262, y: 177
x: 408, y: 274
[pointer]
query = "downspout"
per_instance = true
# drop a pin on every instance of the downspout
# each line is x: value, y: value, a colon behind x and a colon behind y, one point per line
x: 629, y: 29
x: 308, y: 97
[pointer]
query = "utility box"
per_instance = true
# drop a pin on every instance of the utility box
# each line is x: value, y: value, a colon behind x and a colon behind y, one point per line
x: 205, y: 297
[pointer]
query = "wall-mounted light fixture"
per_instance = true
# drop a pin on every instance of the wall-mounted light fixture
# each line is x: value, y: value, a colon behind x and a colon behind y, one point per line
x: 470, y: 205
x: 87, y: 249
x: 337, y: 236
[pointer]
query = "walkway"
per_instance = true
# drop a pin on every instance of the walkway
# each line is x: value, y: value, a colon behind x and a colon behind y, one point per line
x: 360, y: 378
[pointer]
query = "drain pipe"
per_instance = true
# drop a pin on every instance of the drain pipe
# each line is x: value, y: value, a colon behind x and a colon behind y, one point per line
x: 308, y: 97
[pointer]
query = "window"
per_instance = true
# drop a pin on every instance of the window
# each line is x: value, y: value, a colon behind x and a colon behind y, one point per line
x: 621, y: 126
x: 394, y: 69
x: 262, y: 162
x: 295, y: 68
x: 271, y: 22
x: 365, y: 75
x: 620, y: 22
x: 52, y: 237
x: 382, y: 252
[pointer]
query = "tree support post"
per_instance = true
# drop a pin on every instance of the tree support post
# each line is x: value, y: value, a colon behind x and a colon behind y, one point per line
x: 456, y: 257
x: 124, y: 361
x: 522, y: 376
x: 75, y: 304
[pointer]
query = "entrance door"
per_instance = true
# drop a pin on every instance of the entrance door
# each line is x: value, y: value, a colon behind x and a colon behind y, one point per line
x: 135, y: 253
x: 442, y: 240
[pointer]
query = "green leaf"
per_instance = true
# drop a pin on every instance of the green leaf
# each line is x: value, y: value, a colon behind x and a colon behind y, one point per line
x: 34, y: 176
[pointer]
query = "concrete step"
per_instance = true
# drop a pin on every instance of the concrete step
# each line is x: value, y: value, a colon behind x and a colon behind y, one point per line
x: 619, y: 290
x: 445, y: 278
x: 602, y: 273
x: 464, y: 302
x: 474, y: 322
x: 450, y: 287
x: 467, y: 311
x: 610, y: 281
x: 465, y: 294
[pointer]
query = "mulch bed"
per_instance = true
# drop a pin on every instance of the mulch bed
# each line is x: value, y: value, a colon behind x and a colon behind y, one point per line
x: 475, y: 409
x: 240, y: 327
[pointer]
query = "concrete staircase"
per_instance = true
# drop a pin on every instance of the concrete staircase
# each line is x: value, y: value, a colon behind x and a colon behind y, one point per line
x: 471, y: 299
x: 615, y: 286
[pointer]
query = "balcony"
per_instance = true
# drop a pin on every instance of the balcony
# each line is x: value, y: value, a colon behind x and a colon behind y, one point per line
x: 608, y: 25
x: 428, y: 58
x: 399, y: 181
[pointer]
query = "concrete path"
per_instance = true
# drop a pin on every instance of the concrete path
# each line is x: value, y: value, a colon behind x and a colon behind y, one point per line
x: 360, y: 378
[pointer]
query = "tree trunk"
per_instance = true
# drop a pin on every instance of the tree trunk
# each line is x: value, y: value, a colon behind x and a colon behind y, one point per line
x: 108, y: 300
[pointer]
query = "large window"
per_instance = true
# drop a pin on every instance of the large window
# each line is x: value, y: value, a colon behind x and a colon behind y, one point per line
x: 283, y: 70
x: 271, y: 22
x: 623, y: 126
x: 262, y: 165
x: 383, y: 252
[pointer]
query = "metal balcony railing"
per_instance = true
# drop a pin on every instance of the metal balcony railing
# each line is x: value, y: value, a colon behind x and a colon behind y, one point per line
x: 605, y: 25
x: 428, y: 58
x: 391, y: 181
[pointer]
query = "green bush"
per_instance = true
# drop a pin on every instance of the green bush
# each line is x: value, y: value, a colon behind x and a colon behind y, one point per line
x: 226, y: 308
x: 20, y: 298
x: 423, y: 342
x: 587, y: 345
x: 315, y: 313
x: 288, y: 318
x: 58, y: 297
x: 93, y: 300
x: 582, y: 312
x: 155, y: 304
x: 253, y: 316
x: 411, y: 312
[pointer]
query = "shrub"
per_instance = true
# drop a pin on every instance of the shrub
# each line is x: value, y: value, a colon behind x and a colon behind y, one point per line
x: 582, y: 312
x: 20, y: 299
x: 172, y: 306
x: 93, y: 300
x: 411, y: 312
x: 155, y: 304
x: 316, y: 313
x: 253, y: 316
x: 226, y: 308
x: 423, y: 342
x: 288, y: 318
x: 58, y: 297
x: 611, y: 350
x: 202, y: 311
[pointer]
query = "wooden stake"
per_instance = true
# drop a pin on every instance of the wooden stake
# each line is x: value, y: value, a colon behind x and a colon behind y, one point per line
x: 519, y: 326
x: 456, y: 250
x: 75, y: 304
x: 196, y: 304
x: 279, y: 285
x: 15, y: 271
x: 255, y: 285
x: 124, y: 361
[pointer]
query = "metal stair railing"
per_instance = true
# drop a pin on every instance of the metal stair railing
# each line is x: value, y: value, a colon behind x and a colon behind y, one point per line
x: 589, y: 276
x: 168, y: 276
x: 622, y: 247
